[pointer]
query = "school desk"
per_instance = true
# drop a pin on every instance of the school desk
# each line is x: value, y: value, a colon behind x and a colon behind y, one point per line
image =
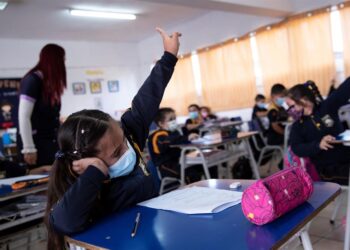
x: 205, y: 156
x: 24, y: 216
x: 228, y: 229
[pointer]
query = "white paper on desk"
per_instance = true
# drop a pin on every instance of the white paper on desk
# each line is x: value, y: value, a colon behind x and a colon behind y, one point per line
x: 10, y: 181
x: 195, y: 200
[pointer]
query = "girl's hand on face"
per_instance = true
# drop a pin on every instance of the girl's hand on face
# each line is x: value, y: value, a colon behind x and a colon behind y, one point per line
x: 81, y: 165
x: 171, y: 43
x: 326, y: 141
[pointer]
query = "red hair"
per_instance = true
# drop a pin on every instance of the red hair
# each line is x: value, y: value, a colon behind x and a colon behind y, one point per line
x: 51, y: 64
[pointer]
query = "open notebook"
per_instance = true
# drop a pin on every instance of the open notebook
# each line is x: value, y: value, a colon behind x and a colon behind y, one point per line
x: 195, y: 200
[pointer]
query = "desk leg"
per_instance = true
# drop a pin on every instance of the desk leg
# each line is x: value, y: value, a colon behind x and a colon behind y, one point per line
x: 253, y: 164
x: 182, y: 166
x: 347, y: 227
x: 305, y: 238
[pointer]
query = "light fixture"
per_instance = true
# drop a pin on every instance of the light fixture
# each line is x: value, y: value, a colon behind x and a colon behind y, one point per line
x: 236, y: 39
x: 103, y: 14
x: 268, y: 27
x: 309, y: 14
x: 3, y: 5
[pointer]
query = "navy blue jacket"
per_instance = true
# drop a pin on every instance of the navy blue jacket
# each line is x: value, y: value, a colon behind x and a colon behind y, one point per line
x: 93, y: 195
x: 307, y: 133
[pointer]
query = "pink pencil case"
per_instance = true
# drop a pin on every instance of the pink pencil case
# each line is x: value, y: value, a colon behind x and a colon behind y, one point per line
x: 269, y: 198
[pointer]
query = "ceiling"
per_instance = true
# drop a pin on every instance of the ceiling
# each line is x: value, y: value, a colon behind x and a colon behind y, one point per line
x: 49, y: 19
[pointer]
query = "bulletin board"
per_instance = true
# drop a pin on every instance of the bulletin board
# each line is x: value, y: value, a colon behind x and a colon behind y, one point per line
x: 9, y: 89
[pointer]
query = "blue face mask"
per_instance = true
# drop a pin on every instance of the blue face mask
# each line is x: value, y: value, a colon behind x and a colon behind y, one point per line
x: 279, y: 101
x: 262, y: 105
x: 124, y: 165
x: 193, y: 114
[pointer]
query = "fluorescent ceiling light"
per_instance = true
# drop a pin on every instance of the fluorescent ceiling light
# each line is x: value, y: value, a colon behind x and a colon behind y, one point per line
x: 103, y: 14
x: 3, y: 5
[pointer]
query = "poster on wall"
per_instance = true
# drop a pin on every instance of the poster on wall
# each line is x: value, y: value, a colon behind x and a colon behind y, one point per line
x: 113, y: 86
x: 95, y: 86
x: 79, y: 88
x: 9, y: 102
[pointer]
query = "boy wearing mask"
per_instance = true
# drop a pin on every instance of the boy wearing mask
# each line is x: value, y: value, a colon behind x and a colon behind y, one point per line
x: 277, y: 115
x: 165, y: 157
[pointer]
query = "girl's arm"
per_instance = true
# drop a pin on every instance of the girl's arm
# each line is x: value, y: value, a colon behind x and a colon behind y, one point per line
x: 71, y: 214
x: 300, y: 147
x: 339, y: 97
x: 146, y: 102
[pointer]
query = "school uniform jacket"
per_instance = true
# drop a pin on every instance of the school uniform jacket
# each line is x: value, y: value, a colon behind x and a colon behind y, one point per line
x: 307, y: 133
x: 93, y: 195
x: 159, y: 146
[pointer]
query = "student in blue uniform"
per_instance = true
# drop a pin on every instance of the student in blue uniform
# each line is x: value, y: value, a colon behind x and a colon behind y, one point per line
x: 317, y: 125
x: 99, y: 169
x: 260, y: 111
x: 165, y: 157
x: 195, y: 120
x: 276, y: 115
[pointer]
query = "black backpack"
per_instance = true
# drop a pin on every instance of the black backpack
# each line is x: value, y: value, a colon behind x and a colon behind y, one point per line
x: 241, y: 169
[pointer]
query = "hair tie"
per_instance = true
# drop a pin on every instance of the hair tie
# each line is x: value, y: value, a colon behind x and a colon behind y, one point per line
x: 59, y: 155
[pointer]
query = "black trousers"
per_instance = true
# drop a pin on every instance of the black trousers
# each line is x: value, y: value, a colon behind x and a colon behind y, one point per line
x: 338, y: 173
x: 46, y: 146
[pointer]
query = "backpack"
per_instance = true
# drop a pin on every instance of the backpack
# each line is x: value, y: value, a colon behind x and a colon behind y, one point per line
x: 292, y: 160
x: 241, y: 169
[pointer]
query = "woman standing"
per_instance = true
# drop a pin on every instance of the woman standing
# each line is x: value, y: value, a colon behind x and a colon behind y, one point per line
x: 39, y: 107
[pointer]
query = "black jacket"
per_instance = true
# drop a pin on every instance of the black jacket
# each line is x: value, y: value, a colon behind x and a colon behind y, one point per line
x: 307, y: 133
x: 93, y: 195
x: 159, y: 146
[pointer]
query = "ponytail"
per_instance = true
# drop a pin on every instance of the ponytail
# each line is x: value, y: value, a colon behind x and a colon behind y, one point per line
x: 311, y: 85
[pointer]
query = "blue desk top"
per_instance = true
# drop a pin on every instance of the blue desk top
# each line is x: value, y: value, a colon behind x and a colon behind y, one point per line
x: 228, y: 229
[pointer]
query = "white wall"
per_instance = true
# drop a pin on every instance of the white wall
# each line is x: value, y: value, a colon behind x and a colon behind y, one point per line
x: 112, y: 61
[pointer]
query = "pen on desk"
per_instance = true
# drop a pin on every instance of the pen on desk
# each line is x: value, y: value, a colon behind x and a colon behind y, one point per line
x: 136, y: 224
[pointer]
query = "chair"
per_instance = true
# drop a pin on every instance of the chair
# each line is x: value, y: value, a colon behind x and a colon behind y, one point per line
x: 163, y: 183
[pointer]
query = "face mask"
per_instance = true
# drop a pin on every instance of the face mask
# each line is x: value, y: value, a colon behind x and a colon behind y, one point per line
x: 172, y: 125
x: 295, y: 114
x: 124, y: 165
x: 204, y: 114
x: 280, y: 101
x: 193, y: 115
x: 262, y: 105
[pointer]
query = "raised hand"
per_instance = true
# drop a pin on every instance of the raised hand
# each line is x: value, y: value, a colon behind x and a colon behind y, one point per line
x: 171, y: 43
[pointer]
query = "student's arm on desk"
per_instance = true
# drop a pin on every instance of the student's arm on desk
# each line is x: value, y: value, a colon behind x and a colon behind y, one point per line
x: 146, y: 102
x: 299, y: 146
x: 71, y: 214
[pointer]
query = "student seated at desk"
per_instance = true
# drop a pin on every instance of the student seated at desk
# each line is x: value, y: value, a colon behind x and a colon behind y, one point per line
x: 165, y: 157
x: 206, y: 114
x: 315, y: 128
x: 195, y: 120
x: 276, y: 115
x: 260, y: 111
x: 99, y: 169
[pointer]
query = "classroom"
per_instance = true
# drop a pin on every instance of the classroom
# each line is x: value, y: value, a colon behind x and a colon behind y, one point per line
x: 162, y: 124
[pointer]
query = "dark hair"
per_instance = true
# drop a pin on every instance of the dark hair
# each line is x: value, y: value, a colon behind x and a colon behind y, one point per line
x: 77, y: 138
x: 162, y: 112
x: 278, y: 89
x: 308, y: 91
x: 193, y: 105
x: 259, y: 97
x: 207, y: 108
x: 51, y: 64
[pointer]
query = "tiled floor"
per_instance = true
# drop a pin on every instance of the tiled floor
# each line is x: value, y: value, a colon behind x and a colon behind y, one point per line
x: 325, y: 236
